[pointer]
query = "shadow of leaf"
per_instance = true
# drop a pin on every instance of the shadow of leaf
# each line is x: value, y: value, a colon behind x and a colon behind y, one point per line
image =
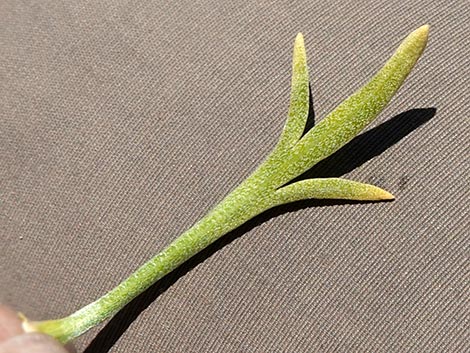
x: 369, y: 144
x: 310, y: 123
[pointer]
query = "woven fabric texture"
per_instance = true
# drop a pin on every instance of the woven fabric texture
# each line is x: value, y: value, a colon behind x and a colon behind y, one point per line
x: 123, y: 122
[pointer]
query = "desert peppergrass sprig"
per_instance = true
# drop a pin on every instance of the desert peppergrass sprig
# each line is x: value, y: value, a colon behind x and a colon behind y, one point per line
x: 268, y: 186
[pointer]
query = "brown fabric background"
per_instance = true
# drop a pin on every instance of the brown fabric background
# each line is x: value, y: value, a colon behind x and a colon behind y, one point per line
x: 122, y: 123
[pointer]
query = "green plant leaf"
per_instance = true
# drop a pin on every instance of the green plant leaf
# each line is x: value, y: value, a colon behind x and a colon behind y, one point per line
x: 299, y: 97
x: 330, y: 188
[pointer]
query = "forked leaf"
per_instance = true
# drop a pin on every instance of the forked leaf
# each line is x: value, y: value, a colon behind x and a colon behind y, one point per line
x: 330, y: 188
x: 264, y: 188
x: 357, y: 111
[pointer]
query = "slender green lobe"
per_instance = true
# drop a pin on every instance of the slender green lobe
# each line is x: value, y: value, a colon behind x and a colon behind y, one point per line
x: 299, y: 98
x: 297, y: 114
x: 331, y: 188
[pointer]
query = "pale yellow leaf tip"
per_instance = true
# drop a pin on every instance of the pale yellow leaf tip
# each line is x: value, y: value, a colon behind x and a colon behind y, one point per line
x: 299, y: 43
x: 299, y: 39
x: 421, y: 35
x: 423, y: 32
x: 384, y: 195
x: 417, y: 40
x: 374, y: 193
x: 300, y: 56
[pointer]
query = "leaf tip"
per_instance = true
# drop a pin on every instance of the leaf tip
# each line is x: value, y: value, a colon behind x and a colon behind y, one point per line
x: 299, y: 39
x: 419, y: 37
x: 385, y: 195
x: 374, y: 193
x: 300, y: 56
x: 422, y: 32
x: 415, y: 43
x: 299, y: 46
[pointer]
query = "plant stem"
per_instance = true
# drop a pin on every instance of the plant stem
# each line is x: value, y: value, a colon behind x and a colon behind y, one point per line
x: 244, y: 203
